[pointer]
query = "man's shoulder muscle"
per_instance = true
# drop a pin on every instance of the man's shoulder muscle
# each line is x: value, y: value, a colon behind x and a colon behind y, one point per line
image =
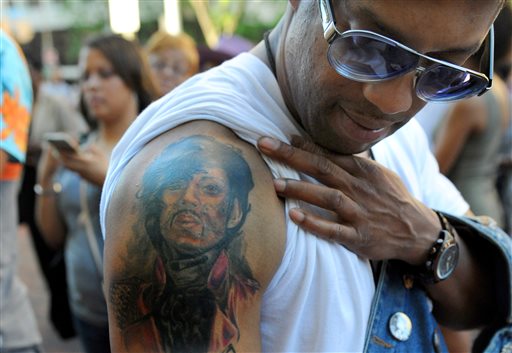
x: 192, y: 241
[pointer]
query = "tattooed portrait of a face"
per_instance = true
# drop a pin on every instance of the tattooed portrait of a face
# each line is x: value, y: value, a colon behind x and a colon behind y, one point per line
x: 194, y: 202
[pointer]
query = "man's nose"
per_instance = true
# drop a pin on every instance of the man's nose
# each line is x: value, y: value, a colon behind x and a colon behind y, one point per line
x: 189, y: 195
x: 393, y: 96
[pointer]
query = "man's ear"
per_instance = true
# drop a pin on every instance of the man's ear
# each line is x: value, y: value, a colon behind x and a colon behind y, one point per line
x: 236, y: 215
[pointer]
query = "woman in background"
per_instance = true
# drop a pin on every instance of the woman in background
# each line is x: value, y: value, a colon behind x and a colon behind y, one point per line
x: 468, y: 148
x: 173, y: 59
x: 49, y: 114
x: 469, y: 138
x: 116, y: 86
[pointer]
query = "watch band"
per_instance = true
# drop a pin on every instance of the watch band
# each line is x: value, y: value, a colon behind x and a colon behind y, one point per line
x: 442, y: 257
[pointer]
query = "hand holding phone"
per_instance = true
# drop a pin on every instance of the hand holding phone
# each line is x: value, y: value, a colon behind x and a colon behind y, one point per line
x: 63, y: 142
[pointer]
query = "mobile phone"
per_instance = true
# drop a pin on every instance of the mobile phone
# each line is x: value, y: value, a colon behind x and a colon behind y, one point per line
x: 62, y: 142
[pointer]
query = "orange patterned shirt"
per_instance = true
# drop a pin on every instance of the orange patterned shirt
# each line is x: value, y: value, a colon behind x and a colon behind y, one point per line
x: 15, y: 106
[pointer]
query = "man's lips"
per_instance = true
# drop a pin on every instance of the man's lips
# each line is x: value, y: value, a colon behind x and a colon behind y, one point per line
x: 359, y: 119
x: 186, y: 218
x: 363, y: 132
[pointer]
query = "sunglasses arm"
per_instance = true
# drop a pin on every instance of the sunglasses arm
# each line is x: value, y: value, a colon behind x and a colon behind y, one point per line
x: 491, y: 59
x: 328, y: 20
x: 491, y: 56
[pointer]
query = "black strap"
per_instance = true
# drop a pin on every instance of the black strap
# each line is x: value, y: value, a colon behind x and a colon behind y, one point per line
x: 270, y: 56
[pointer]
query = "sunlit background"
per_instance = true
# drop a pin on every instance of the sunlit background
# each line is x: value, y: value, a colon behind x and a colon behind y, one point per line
x: 55, y: 29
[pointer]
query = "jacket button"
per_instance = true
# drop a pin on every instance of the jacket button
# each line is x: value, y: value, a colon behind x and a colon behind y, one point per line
x: 507, y: 348
x: 400, y: 326
x: 437, y: 342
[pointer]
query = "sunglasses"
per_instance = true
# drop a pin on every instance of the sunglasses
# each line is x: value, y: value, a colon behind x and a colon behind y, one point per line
x: 366, y: 56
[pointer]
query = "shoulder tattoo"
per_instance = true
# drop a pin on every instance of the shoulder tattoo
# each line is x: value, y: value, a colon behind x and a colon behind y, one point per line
x: 193, y: 203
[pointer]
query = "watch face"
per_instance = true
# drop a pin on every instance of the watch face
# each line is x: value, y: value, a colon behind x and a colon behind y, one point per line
x: 447, y: 262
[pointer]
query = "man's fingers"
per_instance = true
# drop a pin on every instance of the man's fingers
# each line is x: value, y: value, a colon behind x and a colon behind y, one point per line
x: 318, y: 195
x: 317, y: 166
x: 278, y: 149
x: 332, y: 231
x: 353, y: 164
x: 294, y: 157
x: 307, y: 145
x: 328, y: 168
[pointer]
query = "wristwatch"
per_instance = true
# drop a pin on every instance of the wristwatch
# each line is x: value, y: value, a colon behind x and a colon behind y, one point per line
x: 443, y: 256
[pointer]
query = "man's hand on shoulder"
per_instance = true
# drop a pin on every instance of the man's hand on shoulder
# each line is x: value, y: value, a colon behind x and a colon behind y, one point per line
x: 375, y: 216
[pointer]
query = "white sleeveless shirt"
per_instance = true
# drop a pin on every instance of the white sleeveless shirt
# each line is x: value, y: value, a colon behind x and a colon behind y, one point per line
x: 320, y: 296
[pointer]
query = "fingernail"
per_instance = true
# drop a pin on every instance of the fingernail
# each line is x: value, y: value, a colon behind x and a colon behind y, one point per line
x: 268, y: 143
x: 279, y: 185
x: 297, y: 215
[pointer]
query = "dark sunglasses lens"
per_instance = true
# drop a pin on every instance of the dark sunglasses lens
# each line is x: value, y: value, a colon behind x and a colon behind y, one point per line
x: 364, y: 58
x: 442, y: 83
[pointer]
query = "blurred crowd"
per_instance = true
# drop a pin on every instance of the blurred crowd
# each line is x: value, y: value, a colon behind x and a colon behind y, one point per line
x: 60, y: 184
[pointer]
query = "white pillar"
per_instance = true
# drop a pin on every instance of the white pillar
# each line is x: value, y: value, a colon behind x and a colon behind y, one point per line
x: 172, y: 17
x: 124, y: 17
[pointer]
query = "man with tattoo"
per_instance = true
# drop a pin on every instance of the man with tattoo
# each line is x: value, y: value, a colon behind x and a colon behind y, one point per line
x: 353, y: 240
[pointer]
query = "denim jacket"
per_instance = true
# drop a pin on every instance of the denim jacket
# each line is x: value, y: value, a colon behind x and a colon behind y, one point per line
x: 401, y: 318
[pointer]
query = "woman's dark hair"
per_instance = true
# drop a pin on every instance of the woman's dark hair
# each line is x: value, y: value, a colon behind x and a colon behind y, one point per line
x: 33, y: 59
x: 129, y: 62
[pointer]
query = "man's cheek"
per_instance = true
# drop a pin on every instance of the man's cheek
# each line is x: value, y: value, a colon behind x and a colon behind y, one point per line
x: 215, y: 216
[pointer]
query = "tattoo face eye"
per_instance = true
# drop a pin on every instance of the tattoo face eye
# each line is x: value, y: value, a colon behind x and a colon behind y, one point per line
x: 212, y: 187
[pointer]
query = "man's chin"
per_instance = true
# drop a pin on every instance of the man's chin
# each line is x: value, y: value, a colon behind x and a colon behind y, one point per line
x: 186, y: 237
x: 348, y: 149
x: 192, y: 243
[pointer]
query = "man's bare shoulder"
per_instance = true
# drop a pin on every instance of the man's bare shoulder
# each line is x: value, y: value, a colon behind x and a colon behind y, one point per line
x: 194, y: 234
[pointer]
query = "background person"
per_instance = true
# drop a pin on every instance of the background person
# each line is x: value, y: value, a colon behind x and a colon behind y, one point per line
x: 466, y: 137
x: 50, y: 114
x: 173, y: 59
x: 471, y: 138
x: 227, y: 48
x: 18, y: 327
x: 317, y: 293
x: 468, y: 145
x: 503, y: 68
x: 116, y: 85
